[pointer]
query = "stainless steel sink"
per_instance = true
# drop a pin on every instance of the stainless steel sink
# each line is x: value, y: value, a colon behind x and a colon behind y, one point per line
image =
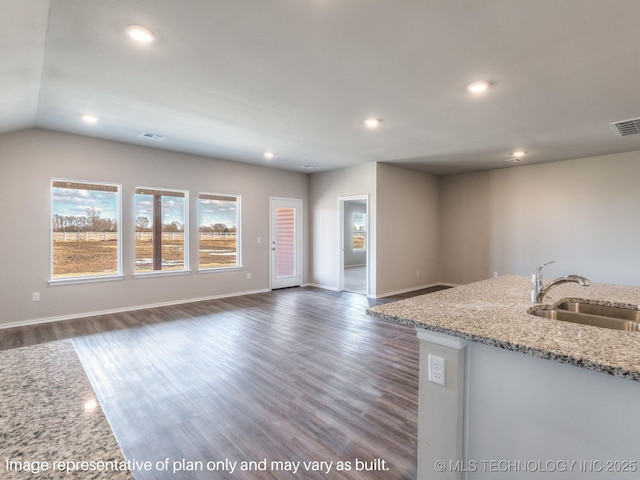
x: 616, y: 318
x: 602, y: 310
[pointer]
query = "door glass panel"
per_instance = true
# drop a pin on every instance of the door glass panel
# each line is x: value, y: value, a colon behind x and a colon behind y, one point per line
x: 285, y: 242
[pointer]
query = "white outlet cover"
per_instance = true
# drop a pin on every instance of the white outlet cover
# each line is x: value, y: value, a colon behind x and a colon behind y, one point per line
x: 436, y: 370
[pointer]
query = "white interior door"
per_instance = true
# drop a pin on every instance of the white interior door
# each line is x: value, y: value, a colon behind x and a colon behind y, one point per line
x: 285, y: 242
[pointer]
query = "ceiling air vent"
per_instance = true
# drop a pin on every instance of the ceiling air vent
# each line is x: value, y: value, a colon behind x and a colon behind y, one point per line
x: 626, y: 127
x: 153, y: 136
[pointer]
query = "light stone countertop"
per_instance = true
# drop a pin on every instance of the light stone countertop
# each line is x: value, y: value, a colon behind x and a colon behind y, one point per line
x: 494, y: 312
x: 50, y: 419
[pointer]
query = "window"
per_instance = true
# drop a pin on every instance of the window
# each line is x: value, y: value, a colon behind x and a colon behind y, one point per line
x: 219, y: 220
x: 85, y: 236
x: 161, y: 233
x: 359, y: 232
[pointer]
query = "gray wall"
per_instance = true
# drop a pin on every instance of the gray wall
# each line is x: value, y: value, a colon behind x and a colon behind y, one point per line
x: 403, y: 228
x: 582, y: 213
x: 461, y: 228
x: 325, y: 190
x: 28, y: 160
x: 408, y: 230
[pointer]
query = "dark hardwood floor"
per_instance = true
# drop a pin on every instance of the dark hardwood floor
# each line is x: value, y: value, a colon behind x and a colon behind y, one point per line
x: 279, y: 379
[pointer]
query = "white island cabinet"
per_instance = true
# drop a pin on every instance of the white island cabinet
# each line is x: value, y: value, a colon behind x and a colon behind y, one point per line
x: 523, y: 397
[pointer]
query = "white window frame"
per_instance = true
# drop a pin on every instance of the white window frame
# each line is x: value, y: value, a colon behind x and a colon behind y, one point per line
x: 185, y: 194
x: 118, y: 275
x: 238, y: 265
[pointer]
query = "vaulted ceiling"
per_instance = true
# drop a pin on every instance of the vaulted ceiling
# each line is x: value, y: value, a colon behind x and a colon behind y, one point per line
x: 233, y: 79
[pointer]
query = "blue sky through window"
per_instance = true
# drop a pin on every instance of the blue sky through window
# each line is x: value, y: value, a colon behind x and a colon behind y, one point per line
x: 172, y: 208
x: 75, y: 202
x: 214, y: 211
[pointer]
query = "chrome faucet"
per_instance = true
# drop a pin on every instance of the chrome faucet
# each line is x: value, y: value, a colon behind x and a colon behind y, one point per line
x: 536, y: 282
x: 538, y: 291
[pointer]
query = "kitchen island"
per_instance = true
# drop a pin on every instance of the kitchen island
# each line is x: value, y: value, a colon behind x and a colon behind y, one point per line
x: 522, y: 395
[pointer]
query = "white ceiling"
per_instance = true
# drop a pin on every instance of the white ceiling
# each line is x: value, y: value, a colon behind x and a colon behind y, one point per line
x: 234, y: 78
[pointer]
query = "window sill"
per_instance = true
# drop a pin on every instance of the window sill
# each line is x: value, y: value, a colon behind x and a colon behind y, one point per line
x: 221, y: 269
x: 161, y: 273
x: 78, y: 280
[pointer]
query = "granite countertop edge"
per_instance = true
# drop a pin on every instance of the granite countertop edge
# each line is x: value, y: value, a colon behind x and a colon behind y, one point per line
x: 622, y: 360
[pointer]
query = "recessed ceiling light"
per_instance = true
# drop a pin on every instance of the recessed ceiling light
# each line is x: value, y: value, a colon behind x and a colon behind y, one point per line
x: 478, y: 87
x: 519, y: 153
x: 140, y: 33
x: 269, y: 155
x: 90, y: 119
x: 372, y: 122
x: 309, y: 166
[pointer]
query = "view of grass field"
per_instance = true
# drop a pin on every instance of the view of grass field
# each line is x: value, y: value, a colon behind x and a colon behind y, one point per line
x: 99, y: 257
x: 74, y: 258
x: 172, y: 254
x: 218, y: 252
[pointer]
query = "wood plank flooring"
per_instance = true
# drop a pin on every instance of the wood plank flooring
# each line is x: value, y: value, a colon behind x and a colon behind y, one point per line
x: 289, y: 376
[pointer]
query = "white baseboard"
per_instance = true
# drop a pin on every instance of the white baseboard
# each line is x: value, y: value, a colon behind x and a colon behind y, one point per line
x: 413, y: 289
x: 38, y: 321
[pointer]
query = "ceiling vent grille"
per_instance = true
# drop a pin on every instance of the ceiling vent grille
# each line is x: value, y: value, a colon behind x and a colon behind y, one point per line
x: 626, y: 127
x: 153, y: 136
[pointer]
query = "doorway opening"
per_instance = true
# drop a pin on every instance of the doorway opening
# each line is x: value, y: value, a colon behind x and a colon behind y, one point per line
x: 355, y: 244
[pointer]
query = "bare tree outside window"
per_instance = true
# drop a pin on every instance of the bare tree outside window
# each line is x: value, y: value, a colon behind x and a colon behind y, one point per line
x: 85, y: 240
